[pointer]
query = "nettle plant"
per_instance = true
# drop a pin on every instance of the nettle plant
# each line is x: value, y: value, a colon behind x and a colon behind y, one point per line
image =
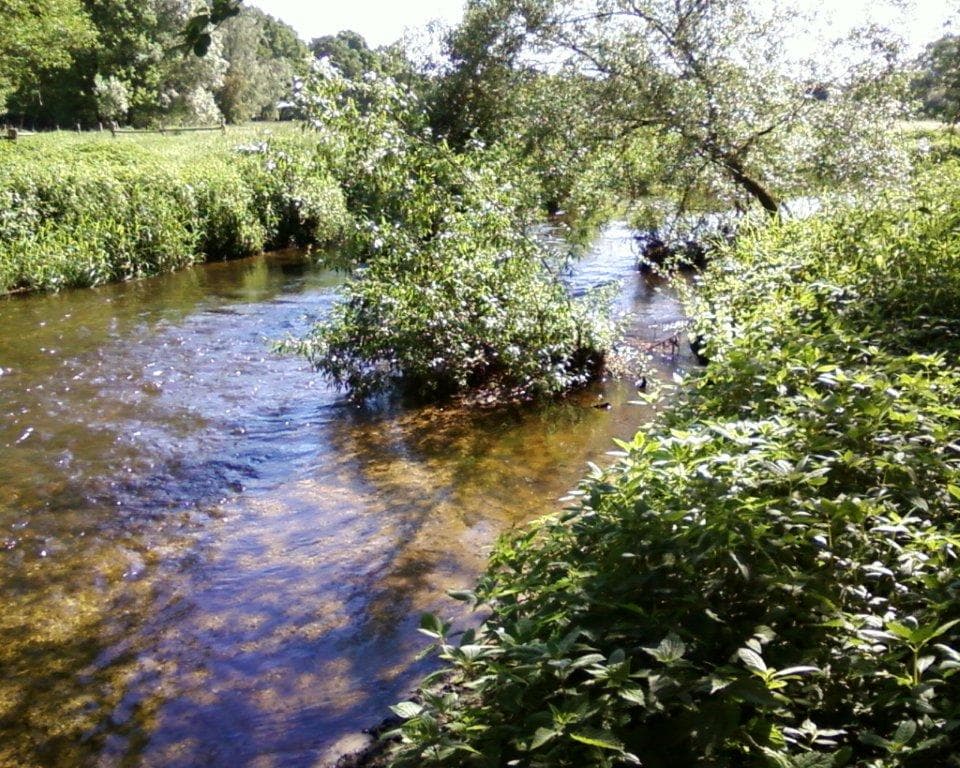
x: 769, y: 575
x: 452, y: 292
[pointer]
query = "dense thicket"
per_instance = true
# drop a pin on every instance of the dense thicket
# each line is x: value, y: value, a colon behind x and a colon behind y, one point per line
x: 768, y: 575
x: 453, y: 290
x: 78, y: 211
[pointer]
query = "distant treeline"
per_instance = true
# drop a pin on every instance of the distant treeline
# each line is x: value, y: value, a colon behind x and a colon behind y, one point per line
x: 70, y: 62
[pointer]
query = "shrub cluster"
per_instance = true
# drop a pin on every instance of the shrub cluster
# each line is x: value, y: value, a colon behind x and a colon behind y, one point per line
x: 83, y: 211
x: 452, y: 292
x: 769, y: 574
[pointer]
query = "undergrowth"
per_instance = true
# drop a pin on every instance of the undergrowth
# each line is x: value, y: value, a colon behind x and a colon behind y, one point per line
x: 80, y: 211
x: 768, y: 575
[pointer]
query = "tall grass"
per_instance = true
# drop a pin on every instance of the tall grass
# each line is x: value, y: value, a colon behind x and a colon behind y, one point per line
x: 84, y: 210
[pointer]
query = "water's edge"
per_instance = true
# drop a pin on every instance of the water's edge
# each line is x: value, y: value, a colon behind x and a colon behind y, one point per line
x: 208, y: 557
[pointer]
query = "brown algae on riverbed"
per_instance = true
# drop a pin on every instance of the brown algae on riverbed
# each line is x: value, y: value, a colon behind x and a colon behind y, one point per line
x: 209, y: 558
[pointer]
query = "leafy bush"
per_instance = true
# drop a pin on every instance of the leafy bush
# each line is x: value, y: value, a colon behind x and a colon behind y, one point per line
x: 768, y: 576
x: 83, y: 211
x: 452, y: 293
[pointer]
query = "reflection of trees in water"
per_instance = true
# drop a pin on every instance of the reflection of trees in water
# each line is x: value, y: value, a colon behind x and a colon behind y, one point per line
x: 288, y: 617
x: 450, y: 480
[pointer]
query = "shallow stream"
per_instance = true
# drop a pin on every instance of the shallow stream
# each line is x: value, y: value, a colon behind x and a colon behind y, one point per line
x: 209, y: 558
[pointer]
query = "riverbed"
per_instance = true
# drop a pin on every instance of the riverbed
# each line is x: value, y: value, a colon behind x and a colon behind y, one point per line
x: 207, y: 555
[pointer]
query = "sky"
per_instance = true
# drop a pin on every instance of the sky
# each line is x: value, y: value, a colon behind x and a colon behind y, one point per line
x: 383, y: 21
x: 379, y: 21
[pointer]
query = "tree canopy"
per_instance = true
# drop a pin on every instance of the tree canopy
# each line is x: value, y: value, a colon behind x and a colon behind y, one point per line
x: 38, y: 37
x: 937, y: 85
x: 736, y: 114
x: 69, y: 61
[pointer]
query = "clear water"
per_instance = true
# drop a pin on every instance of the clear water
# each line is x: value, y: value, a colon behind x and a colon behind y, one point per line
x: 207, y: 557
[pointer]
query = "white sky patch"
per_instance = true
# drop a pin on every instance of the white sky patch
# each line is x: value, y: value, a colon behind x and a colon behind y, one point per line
x: 385, y: 21
x: 381, y: 22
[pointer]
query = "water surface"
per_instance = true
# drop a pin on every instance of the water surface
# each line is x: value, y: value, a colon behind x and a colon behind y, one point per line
x: 207, y: 556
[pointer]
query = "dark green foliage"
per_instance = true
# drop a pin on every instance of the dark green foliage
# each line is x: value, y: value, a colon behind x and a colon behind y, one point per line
x: 937, y: 85
x: 769, y: 575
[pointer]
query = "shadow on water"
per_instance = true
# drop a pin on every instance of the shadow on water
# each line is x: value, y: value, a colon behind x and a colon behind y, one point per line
x: 208, y: 558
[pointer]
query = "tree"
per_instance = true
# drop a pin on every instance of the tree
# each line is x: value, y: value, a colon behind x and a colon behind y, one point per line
x: 479, y: 96
x: 938, y: 84
x: 113, y: 100
x: 38, y: 37
x: 715, y: 83
x: 262, y: 55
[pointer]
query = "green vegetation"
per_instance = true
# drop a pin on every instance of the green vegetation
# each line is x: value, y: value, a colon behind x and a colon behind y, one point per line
x: 64, y: 62
x: 937, y: 83
x: 767, y: 577
x: 78, y: 211
x: 453, y: 291
x: 39, y: 39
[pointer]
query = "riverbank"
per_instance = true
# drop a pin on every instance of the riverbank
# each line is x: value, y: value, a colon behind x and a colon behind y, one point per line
x: 767, y: 577
x: 83, y: 210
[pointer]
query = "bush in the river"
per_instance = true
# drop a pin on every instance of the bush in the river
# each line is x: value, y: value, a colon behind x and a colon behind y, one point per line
x: 80, y: 211
x: 453, y: 292
x: 769, y: 575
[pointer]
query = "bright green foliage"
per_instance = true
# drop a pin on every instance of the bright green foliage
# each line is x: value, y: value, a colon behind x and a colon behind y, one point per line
x: 83, y: 211
x: 453, y: 292
x: 769, y: 574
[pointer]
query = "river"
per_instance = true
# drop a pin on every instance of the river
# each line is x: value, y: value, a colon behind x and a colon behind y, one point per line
x: 207, y: 556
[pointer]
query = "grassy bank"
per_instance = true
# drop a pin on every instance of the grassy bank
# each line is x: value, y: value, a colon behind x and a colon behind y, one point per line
x: 768, y: 576
x: 84, y: 210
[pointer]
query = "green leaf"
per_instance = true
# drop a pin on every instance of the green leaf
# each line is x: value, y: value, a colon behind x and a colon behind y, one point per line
x: 541, y: 736
x: 598, y: 738
x: 905, y: 732
x: 669, y: 650
x: 900, y: 630
x: 432, y: 626
x: 407, y: 709
x: 789, y: 671
x: 202, y: 44
x: 633, y: 695
x: 942, y: 629
x: 752, y: 659
x: 954, y: 490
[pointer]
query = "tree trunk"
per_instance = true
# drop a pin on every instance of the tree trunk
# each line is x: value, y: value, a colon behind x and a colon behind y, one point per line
x: 753, y: 187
